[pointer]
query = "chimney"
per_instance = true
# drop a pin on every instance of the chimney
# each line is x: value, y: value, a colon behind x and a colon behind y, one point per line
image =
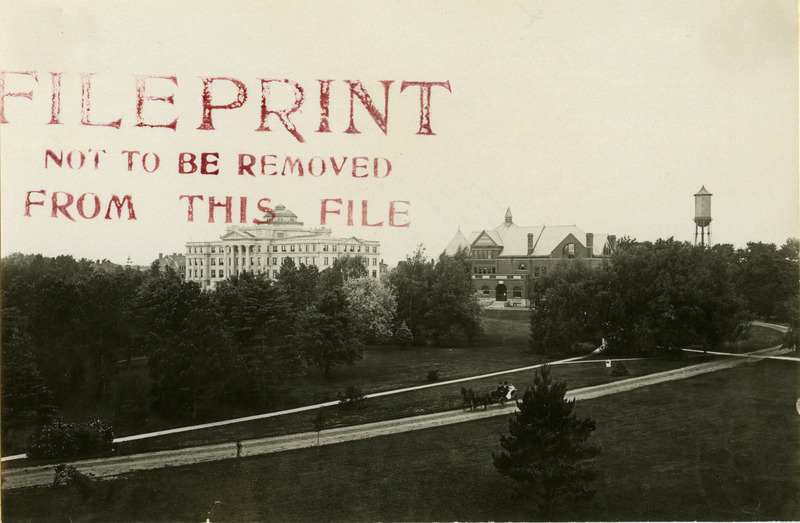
x: 160, y: 255
x: 589, y: 245
x: 530, y: 243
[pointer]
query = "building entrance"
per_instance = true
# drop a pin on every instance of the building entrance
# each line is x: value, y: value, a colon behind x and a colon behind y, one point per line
x: 500, y: 293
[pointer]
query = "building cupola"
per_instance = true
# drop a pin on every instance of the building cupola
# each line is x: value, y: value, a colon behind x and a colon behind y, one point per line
x: 508, y: 216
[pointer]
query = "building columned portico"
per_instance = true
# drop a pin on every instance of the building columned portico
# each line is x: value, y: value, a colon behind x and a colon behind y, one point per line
x: 508, y: 259
x: 262, y: 249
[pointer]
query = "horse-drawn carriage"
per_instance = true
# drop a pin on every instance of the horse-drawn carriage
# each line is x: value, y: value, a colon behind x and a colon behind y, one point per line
x: 502, y: 394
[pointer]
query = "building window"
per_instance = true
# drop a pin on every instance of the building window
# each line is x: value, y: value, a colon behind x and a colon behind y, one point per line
x: 569, y: 251
x: 485, y: 290
x: 536, y: 272
x: 517, y: 292
x: 325, y: 260
x: 521, y: 267
x: 283, y: 248
x: 291, y: 248
x: 274, y: 261
x: 213, y: 261
x: 274, y: 248
x: 374, y: 261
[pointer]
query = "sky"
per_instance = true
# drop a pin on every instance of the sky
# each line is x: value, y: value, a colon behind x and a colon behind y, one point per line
x: 606, y: 114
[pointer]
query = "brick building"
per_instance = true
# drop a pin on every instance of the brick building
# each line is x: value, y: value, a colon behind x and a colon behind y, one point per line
x: 507, y: 260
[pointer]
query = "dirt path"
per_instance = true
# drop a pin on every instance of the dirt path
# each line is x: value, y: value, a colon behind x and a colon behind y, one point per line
x: 116, y: 466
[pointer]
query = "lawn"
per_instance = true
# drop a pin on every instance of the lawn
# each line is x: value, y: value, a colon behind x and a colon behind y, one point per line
x: 387, y: 368
x: 435, y: 399
x: 721, y: 446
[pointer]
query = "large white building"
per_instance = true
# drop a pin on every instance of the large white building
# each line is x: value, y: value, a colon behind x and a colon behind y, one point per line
x: 262, y: 249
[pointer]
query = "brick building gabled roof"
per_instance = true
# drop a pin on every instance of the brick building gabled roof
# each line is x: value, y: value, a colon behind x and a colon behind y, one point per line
x: 535, y: 241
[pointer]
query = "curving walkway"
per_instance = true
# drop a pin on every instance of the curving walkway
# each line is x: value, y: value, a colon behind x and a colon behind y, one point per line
x: 116, y: 466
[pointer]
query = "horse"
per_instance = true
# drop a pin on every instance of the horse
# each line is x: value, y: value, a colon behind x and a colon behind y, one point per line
x: 473, y: 399
x: 468, y: 396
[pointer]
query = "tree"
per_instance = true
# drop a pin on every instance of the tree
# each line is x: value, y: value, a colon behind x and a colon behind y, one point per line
x: 25, y: 396
x: 299, y: 284
x: 435, y: 299
x: 453, y: 309
x: 411, y: 281
x: 545, y: 450
x: 653, y: 296
x: 260, y: 324
x: 372, y: 307
x: 320, y: 420
x: 327, y: 334
x: 767, y: 278
x: 566, y: 310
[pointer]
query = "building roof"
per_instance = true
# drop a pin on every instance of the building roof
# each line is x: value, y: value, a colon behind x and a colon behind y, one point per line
x: 513, y: 239
x: 703, y: 192
x: 284, y: 226
x: 458, y: 242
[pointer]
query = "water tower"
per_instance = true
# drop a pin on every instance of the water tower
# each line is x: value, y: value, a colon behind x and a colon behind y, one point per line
x: 702, y: 216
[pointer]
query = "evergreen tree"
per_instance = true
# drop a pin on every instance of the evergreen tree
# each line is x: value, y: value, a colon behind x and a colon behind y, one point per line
x: 545, y: 450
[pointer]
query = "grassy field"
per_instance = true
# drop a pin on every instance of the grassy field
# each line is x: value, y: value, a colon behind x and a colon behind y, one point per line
x: 387, y: 368
x: 721, y: 446
x: 435, y: 399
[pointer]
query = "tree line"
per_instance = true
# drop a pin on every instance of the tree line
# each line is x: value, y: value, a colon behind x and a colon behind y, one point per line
x: 653, y: 297
x: 69, y: 327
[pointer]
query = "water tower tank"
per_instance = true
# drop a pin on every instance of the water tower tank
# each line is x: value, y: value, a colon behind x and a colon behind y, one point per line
x: 702, y: 207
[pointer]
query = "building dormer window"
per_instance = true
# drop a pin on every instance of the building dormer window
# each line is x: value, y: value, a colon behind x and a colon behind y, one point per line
x: 521, y: 267
x: 569, y: 251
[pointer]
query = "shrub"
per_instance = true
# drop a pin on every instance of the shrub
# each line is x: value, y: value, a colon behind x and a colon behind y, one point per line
x: 70, y: 478
x: 433, y: 375
x: 59, y: 440
x: 403, y: 335
x: 353, y: 397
